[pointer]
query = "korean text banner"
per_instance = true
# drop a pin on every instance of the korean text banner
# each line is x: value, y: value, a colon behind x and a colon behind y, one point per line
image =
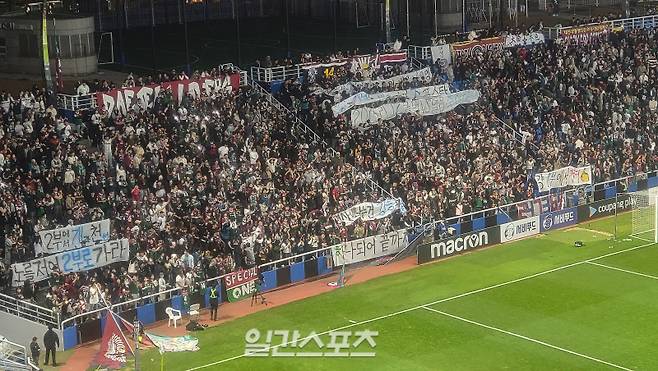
x: 370, y: 211
x: 519, y: 229
x: 369, y: 248
x: 73, y: 237
x: 362, y: 98
x: 584, y: 34
x: 79, y: 260
x: 566, y: 176
x: 364, y: 117
x: 120, y: 101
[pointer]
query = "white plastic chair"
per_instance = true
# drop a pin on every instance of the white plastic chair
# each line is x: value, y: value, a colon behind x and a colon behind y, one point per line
x: 174, y: 315
x: 194, y: 311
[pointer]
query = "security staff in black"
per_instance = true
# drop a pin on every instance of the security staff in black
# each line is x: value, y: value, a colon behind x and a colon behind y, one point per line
x: 214, y: 301
x: 50, y: 342
x: 35, y: 349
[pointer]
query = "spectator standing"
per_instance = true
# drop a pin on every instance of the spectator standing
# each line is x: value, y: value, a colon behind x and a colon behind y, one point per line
x: 51, y: 342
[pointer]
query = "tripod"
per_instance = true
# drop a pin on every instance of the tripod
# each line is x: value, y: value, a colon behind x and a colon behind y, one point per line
x: 257, y: 294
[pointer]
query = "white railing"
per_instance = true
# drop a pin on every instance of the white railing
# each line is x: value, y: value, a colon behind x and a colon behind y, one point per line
x: 76, y: 102
x: 649, y: 21
x: 420, y: 52
x: 13, y: 356
x: 29, y: 311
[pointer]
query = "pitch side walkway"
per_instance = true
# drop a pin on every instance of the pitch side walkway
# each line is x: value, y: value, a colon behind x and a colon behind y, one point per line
x: 83, y: 356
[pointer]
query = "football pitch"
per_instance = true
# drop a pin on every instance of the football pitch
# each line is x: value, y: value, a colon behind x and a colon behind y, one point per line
x: 535, y: 304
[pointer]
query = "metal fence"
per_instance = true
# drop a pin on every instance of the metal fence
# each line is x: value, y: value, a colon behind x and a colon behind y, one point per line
x: 649, y: 21
x: 14, y: 356
x: 29, y: 311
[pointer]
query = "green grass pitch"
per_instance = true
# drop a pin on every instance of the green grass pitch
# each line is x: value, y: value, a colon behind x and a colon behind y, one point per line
x: 536, y: 304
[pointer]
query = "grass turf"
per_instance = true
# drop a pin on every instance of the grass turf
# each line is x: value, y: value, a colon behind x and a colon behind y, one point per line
x: 588, y: 309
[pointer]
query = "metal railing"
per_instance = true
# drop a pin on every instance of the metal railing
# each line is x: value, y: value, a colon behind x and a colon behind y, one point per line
x: 76, y: 102
x: 305, y: 129
x: 326, y: 251
x: 13, y: 356
x: 420, y: 52
x: 29, y: 311
x: 649, y: 21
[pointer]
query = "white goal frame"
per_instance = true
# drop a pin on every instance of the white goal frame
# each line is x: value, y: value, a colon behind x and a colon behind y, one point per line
x: 636, y: 207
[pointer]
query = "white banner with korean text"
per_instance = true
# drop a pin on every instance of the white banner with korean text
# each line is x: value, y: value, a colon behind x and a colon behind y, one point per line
x: 566, y: 176
x: 79, y: 260
x: 369, y: 248
x: 73, y: 237
x: 363, y: 98
x: 370, y: 211
x: 424, y: 75
x: 364, y: 117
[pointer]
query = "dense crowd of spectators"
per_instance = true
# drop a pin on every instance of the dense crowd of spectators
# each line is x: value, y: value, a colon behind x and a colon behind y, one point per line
x: 569, y: 105
x: 226, y: 181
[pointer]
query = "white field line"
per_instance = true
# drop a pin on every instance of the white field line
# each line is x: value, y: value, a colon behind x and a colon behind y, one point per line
x: 468, y: 293
x: 528, y: 339
x: 624, y: 270
x: 607, y: 234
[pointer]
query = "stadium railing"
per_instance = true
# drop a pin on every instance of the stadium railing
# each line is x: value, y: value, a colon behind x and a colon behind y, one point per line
x: 150, y: 308
x: 649, y: 21
x: 29, y: 311
x: 76, y: 102
x: 295, y: 71
x: 14, y: 356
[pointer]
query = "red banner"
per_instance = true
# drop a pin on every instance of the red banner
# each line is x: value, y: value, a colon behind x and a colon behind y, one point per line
x: 120, y: 101
x: 584, y: 34
x: 114, y: 345
x: 469, y: 48
x: 238, y: 278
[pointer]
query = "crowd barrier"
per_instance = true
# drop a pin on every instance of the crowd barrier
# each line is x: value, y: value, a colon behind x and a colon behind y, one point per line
x: 88, y: 327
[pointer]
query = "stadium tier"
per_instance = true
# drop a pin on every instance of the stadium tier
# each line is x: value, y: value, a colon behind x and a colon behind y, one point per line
x: 166, y: 195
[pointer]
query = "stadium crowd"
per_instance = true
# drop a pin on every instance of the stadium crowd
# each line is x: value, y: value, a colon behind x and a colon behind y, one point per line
x: 226, y: 180
x: 567, y: 104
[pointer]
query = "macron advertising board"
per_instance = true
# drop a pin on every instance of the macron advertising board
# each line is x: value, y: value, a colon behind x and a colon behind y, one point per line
x: 458, y: 244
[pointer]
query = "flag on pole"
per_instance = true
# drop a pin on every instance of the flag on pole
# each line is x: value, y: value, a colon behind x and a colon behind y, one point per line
x: 114, y: 345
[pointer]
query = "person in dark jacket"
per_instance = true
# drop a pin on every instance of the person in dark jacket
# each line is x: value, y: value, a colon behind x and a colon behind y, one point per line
x: 35, y: 349
x: 51, y: 342
x: 214, y: 301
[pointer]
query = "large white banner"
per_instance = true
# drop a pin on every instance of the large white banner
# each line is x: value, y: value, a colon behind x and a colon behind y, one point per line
x: 424, y: 74
x: 516, y: 41
x: 566, y: 176
x: 73, y: 237
x: 71, y: 261
x: 369, y: 248
x: 441, y: 54
x: 370, y: 211
x: 362, y: 98
x: 425, y: 107
x: 519, y: 229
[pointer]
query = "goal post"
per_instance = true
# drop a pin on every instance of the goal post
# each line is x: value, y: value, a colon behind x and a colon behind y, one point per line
x: 644, y: 218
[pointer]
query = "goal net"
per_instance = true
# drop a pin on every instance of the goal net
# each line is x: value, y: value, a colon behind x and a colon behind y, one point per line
x: 644, y: 215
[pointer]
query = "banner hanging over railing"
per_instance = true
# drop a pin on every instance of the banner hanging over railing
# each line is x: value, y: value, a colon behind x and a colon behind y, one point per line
x: 369, y: 248
x: 363, y: 98
x: 364, y: 117
x: 584, y: 34
x: 370, y: 211
x: 241, y: 284
x: 79, y: 260
x: 73, y: 237
x: 566, y: 176
x: 120, y: 101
